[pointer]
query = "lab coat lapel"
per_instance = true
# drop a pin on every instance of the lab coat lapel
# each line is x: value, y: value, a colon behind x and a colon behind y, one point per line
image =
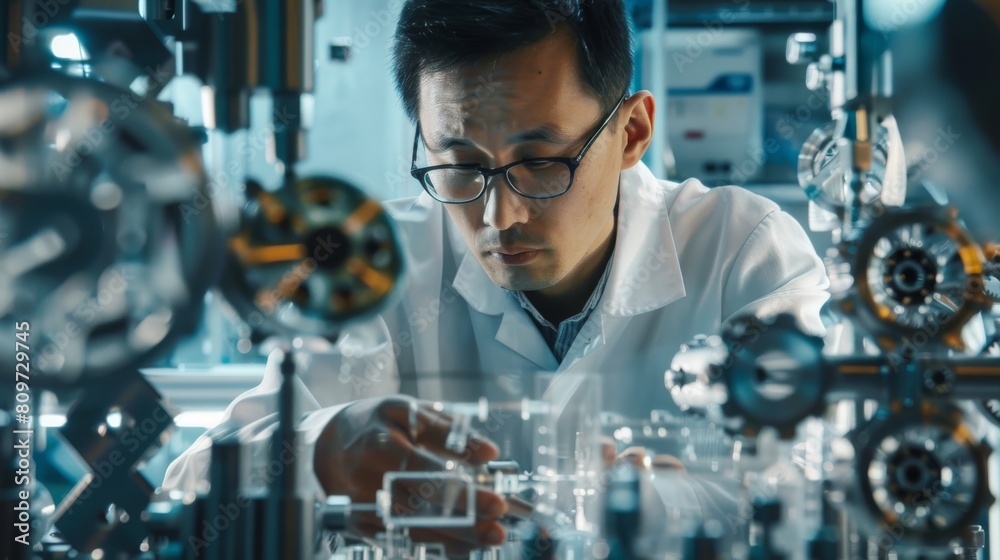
x: 645, y: 273
x: 516, y: 330
x: 519, y: 333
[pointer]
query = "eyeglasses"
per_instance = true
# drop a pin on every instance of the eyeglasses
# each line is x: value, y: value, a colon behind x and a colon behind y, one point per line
x: 531, y: 178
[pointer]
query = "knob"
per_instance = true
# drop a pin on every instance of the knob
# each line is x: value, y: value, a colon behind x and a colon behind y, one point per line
x: 815, y: 77
x: 802, y: 48
x: 336, y: 513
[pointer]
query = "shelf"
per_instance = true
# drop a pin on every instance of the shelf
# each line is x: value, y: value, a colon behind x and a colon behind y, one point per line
x: 682, y: 13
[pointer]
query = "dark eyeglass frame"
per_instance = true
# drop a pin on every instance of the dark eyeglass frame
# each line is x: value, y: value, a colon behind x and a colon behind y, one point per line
x: 420, y: 173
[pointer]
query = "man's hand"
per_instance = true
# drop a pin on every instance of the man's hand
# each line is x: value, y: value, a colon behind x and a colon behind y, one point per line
x: 637, y: 457
x: 375, y: 436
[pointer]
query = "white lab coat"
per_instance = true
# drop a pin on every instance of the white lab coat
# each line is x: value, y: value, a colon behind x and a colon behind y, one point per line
x: 686, y: 259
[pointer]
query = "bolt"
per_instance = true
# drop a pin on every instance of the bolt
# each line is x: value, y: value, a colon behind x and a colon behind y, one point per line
x: 975, y: 541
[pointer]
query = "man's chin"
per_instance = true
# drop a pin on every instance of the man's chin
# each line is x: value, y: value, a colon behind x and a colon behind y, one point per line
x: 517, y: 279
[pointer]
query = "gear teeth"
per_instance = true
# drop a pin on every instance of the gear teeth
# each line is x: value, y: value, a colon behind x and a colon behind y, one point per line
x: 751, y: 416
x: 994, y: 295
x: 866, y: 440
x: 859, y: 301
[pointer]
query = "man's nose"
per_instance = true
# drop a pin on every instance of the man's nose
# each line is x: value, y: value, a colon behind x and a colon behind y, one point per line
x: 504, y: 208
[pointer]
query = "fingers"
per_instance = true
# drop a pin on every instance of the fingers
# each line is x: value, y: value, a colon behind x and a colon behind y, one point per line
x: 390, y: 450
x: 490, y: 506
x: 668, y: 462
x: 636, y: 456
x: 432, y: 430
x: 441, y: 499
x: 478, y: 449
x: 639, y: 459
x: 608, y: 452
x: 463, y: 541
x: 483, y: 534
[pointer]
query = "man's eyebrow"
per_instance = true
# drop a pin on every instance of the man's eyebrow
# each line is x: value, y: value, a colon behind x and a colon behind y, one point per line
x: 543, y: 133
x: 445, y: 143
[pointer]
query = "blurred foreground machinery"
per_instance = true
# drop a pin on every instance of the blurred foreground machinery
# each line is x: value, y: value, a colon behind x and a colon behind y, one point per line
x: 894, y: 400
x: 863, y: 445
x: 113, y: 234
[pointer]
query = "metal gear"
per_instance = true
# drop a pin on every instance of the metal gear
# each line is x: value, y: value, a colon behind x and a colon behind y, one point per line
x: 918, y: 275
x: 993, y: 288
x: 309, y: 257
x: 917, y: 474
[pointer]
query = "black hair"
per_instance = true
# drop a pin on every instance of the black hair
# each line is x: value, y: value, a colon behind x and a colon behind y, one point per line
x: 435, y: 35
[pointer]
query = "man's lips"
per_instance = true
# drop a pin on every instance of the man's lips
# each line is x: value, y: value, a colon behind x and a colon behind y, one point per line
x: 511, y: 250
x: 514, y: 255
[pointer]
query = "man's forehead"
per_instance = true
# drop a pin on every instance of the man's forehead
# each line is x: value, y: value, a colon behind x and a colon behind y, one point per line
x: 459, y: 103
x: 467, y: 89
x: 508, y: 115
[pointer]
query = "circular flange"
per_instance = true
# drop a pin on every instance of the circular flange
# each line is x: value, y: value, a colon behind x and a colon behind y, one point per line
x: 774, y: 375
x: 822, y: 176
x: 758, y: 373
x: 918, y: 278
x: 921, y: 474
x: 309, y: 257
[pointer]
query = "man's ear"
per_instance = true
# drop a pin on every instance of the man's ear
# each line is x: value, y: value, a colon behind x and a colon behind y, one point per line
x: 639, y: 109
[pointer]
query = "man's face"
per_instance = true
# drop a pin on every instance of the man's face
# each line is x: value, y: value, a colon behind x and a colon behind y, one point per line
x: 529, y: 103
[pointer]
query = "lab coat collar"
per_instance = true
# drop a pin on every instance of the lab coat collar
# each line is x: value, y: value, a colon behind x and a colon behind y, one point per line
x: 645, y: 273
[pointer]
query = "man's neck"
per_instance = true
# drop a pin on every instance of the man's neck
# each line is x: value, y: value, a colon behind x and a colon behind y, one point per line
x: 567, y: 298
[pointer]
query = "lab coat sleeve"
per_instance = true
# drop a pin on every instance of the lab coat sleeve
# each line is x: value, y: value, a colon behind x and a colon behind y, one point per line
x: 777, y: 271
x: 361, y: 365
